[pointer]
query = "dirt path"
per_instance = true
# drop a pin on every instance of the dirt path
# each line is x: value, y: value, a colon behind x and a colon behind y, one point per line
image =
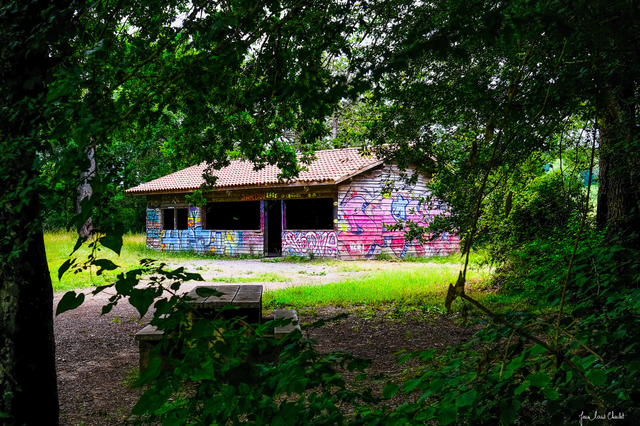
x: 96, y: 353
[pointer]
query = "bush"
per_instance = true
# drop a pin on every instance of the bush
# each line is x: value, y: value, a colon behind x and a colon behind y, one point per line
x: 541, y: 211
x: 563, y: 359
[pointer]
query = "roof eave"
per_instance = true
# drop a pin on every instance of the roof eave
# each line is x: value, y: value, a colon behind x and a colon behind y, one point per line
x: 328, y: 182
x: 359, y: 171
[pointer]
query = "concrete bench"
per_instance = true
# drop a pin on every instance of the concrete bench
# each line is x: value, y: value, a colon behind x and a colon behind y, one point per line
x: 246, y: 299
x: 147, y: 339
x: 280, y: 332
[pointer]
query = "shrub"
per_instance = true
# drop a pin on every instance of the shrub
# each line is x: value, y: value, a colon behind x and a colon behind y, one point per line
x: 538, y: 212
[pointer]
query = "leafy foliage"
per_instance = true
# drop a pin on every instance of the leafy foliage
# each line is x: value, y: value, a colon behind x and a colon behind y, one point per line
x: 499, y: 374
x: 541, y: 209
x: 215, y: 371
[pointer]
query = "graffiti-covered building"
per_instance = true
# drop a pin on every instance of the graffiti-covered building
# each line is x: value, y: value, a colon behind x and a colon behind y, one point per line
x: 338, y: 207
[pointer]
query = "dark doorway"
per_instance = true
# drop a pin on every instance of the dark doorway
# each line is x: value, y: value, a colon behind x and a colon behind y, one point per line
x: 273, y: 228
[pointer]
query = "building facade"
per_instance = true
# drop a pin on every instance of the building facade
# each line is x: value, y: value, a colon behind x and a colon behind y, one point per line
x: 343, y: 206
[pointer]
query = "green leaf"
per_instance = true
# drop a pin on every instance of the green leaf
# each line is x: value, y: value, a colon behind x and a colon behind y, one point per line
x: 141, y: 299
x: 104, y: 265
x: 107, y: 308
x: 404, y: 358
x: 588, y: 361
x: 539, y: 379
x: 569, y: 376
x: 69, y: 301
x: 507, y: 415
x: 599, y: 340
x: 537, y: 349
x: 447, y: 415
x: 81, y: 240
x: 390, y: 390
x: 426, y: 355
x: 597, y: 377
x: 550, y: 393
x: 151, y: 372
x: 426, y: 414
x: 65, y: 267
x: 436, y: 385
x: 410, y: 384
x: 466, y: 398
x: 521, y: 388
x: 113, y: 238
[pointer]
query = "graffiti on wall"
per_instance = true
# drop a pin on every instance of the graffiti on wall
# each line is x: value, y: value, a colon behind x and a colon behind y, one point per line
x: 302, y: 243
x: 367, y: 216
x: 228, y: 243
x: 154, y: 229
x: 261, y: 216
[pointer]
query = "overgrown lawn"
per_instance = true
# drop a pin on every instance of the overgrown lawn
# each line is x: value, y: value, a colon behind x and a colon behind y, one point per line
x: 414, y: 285
x: 60, y: 244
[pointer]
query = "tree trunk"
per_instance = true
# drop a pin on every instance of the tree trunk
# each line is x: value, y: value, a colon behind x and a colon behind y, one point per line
x: 619, y: 162
x: 27, y: 349
x: 28, y: 382
x: 85, y: 191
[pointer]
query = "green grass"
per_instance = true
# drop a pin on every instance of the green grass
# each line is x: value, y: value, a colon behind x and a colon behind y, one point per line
x: 301, y: 259
x: 413, y: 284
x: 130, y: 378
x: 419, y: 285
x: 60, y: 244
x: 264, y: 277
x: 350, y: 267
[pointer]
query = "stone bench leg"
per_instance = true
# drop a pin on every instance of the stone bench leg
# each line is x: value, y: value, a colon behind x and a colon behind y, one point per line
x: 280, y: 332
x: 147, y: 339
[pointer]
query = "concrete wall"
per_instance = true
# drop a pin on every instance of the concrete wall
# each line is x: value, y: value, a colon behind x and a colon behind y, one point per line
x: 365, y: 213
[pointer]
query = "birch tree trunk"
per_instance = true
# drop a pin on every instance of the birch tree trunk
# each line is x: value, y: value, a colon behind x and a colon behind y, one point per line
x: 85, y: 191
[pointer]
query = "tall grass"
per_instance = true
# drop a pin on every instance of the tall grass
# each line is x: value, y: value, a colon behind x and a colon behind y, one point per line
x: 60, y: 244
x: 413, y: 285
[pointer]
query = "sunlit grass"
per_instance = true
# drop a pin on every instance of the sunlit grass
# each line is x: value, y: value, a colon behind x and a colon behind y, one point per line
x: 60, y: 244
x: 263, y: 277
x: 350, y: 267
x: 411, y: 285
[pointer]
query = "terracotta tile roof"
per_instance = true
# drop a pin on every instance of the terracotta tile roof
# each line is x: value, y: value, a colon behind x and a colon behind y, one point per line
x: 330, y: 167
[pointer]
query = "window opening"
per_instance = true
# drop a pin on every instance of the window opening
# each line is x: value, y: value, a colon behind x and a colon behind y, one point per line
x: 182, y: 218
x: 167, y: 222
x: 309, y: 214
x: 233, y: 215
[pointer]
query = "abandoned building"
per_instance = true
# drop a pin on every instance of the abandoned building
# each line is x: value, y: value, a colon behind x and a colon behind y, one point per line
x: 336, y: 208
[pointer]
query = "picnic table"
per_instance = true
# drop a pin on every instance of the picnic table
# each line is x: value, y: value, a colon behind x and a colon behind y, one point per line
x: 246, y: 301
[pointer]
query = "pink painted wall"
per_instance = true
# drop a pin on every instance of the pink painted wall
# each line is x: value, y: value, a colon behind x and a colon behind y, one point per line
x: 365, y: 214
